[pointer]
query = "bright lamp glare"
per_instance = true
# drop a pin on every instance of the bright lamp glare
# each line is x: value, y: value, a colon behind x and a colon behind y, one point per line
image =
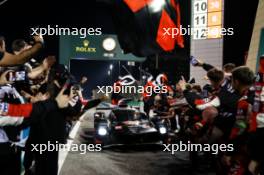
x: 156, y: 5
x: 102, y: 131
x: 162, y: 130
x: 111, y: 66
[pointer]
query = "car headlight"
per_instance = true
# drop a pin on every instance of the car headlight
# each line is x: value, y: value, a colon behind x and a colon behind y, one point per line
x: 162, y: 130
x: 102, y: 131
x: 96, y: 115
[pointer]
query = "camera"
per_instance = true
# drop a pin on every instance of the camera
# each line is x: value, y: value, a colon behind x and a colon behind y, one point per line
x: 71, y: 84
x: 16, y: 76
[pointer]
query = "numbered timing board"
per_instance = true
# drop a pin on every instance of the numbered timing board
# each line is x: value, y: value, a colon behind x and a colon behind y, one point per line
x: 207, y: 19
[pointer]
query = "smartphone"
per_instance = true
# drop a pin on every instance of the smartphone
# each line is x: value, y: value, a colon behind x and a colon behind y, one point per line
x: 69, y: 85
x: 17, y: 76
x: 193, y: 61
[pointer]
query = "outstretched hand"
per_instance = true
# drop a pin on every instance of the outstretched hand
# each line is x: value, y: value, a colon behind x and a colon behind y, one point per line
x: 48, y: 62
x: 3, y: 77
x: 62, y: 99
x: 38, y: 38
x: 182, y: 83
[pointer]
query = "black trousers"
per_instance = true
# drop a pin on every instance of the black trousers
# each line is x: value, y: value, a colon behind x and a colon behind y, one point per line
x: 256, y: 146
x: 10, y: 160
x: 47, y: 163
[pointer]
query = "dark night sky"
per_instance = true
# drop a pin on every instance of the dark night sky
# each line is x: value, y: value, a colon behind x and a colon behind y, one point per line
x: 239, y: 15
x: 17, y: 17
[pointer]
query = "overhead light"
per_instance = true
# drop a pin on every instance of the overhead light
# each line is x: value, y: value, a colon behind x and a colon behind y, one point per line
x: 109, y: 44
x: 157, y: 5
x: 131, y: 63
x: 111, y: 67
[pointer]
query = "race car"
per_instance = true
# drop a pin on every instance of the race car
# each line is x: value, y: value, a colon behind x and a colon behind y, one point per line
x: 124, y: 125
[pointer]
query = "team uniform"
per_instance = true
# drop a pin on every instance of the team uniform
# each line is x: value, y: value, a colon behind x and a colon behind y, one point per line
x: 256, y: 128
x: 225, y: 100
x: 10, y: 150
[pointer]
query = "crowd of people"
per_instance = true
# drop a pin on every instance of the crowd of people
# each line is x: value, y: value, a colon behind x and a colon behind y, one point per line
x: 227, y: 110
x: 41, y: 98
x: 37, y: 101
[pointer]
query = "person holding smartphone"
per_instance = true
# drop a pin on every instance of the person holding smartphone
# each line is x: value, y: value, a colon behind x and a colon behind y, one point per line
x: 8, y: 59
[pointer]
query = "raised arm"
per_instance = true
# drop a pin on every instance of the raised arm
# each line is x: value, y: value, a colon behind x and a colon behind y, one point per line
x: 11, y: 60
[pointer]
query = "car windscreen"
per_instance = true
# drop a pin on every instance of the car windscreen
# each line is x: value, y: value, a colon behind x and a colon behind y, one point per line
x: 125, y: 115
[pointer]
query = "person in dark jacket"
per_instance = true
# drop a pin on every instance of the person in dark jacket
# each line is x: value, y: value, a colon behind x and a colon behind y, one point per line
x: 11, y: 124
x: 51, y: 128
